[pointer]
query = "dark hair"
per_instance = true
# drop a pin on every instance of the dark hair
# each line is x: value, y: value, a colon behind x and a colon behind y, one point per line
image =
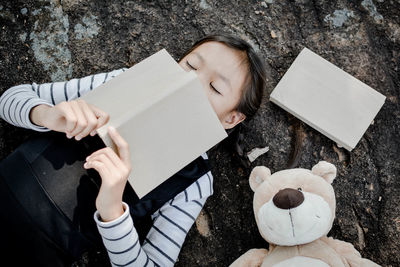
x: 253, y: 90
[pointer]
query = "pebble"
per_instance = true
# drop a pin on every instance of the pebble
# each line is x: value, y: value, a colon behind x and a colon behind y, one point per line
x: 24, y: 11
x: 202, y: 224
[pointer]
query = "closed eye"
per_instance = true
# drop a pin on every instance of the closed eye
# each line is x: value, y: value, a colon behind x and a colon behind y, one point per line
x: 190, y: 66
x: 215, y: 89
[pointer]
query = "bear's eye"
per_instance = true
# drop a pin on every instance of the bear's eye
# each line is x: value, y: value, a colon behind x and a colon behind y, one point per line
x: 299, y: 189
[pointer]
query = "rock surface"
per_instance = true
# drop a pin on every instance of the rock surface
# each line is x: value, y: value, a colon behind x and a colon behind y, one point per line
x: 42, y: 41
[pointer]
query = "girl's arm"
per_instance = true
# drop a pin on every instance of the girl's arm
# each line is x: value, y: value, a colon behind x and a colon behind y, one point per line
x: 163, y: 243
x: 17, y: 102
x: 171, y: 222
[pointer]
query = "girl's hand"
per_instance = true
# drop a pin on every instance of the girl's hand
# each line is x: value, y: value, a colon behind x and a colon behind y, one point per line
x: 114, y: 171
x: 76, y: 118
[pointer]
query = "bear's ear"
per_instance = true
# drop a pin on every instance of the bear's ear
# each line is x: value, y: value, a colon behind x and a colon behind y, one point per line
x: 257, y: 176
x: 326, y: 170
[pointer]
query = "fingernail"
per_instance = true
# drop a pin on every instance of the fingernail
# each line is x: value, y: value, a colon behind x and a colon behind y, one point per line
x: 92, y: 133
x: 68, y: 136
x: 85, y: 165
x: 78, y: 138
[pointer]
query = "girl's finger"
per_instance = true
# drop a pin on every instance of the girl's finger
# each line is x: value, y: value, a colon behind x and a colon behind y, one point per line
x: 90, y: 118
x: 123, y: 146
x: 110, y: 154
x: 69, y: 116
x: 81, y: 120
x: 98, y: 166
x: 102, y: 117
x: 108, y: 166
x: 97, y: 152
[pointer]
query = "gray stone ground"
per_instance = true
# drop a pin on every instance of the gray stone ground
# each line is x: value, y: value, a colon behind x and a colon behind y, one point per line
x: 53, y: 40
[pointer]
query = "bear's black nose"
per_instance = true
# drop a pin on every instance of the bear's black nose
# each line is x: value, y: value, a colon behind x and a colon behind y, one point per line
x: 288, y: 198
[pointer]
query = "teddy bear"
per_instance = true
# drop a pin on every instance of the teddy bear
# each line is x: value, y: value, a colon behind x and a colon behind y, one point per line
x: 294, y: 211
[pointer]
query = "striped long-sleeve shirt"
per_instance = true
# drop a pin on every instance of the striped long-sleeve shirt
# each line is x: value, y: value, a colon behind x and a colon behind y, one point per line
x: 171, y: 222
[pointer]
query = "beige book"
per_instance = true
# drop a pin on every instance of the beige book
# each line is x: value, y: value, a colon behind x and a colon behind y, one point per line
x: 163, y: 113
x: 328, y: 99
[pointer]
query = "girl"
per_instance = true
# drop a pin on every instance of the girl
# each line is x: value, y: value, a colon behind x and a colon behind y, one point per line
x: 233, y: 77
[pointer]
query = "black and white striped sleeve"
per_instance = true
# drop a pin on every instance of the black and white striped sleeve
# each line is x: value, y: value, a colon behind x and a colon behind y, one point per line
x: 163, y: 243
x: 17, y: 101
x: 171, y: 223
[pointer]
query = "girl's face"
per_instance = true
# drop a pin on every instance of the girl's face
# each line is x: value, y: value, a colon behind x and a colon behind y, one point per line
x: 223, y: 75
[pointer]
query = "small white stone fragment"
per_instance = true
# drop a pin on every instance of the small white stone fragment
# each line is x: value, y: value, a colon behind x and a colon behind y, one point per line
x: 204, y: 5
x: 373, y: 12
x: 256, y: 152
x: 24, y: 11
x: 22, y: 37
x: 339, y: 17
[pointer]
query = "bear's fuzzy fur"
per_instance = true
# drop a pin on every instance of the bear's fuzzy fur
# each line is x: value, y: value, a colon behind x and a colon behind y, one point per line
x: 294, y: 210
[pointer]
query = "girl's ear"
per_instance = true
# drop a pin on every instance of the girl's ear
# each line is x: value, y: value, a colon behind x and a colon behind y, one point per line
x: 232, y: 119
x: 258, y: 176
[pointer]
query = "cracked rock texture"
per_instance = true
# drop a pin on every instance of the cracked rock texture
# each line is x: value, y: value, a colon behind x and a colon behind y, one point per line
x: 42, y: 41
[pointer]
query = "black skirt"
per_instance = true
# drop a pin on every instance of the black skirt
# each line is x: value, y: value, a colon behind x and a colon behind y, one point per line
x: 47, y: 200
